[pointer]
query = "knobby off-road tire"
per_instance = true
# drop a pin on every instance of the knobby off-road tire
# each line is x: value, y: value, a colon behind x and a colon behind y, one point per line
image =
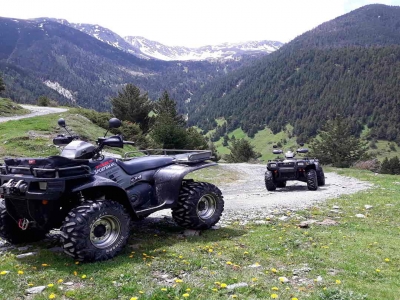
x: 312, y: 181
x: 269, y: 181
x: 10, y: 231
x: 281, y: 184
x: 200, y: 206
x: 321, y: 177
x: 95, y: 230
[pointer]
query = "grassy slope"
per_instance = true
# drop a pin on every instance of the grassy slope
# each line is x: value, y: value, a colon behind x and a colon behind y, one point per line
x: 9, y: 108
x: 353, y: 258
x: 33, y: 137
x: 264, y: 140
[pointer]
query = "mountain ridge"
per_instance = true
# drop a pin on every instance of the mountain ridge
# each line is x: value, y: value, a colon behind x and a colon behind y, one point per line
x: 148, y: 49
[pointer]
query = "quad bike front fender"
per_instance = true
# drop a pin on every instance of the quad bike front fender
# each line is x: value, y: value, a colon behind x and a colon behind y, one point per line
x: 108, y: 188
x: 168, y: 181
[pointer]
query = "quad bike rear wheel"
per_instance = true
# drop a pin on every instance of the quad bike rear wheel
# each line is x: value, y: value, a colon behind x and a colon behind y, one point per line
x: 312, y: 181
x: 95, y: 230
x: 269, y: 181
x: 200, y: 205
x: 321, y: 177
x: 10, y: 231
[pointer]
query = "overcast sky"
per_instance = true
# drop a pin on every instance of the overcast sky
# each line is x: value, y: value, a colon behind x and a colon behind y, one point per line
x: 193, y: 23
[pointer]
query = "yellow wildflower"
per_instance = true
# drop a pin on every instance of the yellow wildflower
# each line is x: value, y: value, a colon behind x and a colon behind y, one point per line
x: 178, y: 280
x: 134, y: 298
x: 274, y: 296
x: 50, y: 285
x: 275, y: 288
x: 59, y: 281
x: 387, y: 259
x: 233, y: 296
x: 274, y: 270
x: 295, y: 298
x: 228, y: 263
x: 188, y: 290
x: 164, y: 289
x: 185, y: 295
x: 83, y: 276
x: 338, y: 281
x: 214, y: 290
x: 20, y: 272
x: 52, y: 296
x: 377, y: 270
x: 223, y: 285
x: 254, y: 279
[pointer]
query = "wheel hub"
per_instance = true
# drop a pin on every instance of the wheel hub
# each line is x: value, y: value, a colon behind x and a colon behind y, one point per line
x: 206, y: 207
x: 105, y: 231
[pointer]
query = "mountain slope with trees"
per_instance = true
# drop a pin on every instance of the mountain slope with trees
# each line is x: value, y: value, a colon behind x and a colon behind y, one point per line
x: 348, y: 66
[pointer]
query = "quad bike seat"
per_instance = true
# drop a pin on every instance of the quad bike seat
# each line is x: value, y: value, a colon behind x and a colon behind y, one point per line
x: 144, y: 163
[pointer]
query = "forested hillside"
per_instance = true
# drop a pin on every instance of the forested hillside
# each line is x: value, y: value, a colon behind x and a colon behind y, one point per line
x: 348, y: 66
x: 39, y: 57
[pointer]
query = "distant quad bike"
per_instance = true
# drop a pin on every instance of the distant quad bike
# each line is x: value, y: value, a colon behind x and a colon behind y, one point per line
x: 93, y: 199
x: 279, y: 171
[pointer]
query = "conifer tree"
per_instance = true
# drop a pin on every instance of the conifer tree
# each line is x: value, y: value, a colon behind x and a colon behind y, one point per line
x: 241, y: 151
x: 336, y: 145
x: 2, y: 85
x: 132, y: 106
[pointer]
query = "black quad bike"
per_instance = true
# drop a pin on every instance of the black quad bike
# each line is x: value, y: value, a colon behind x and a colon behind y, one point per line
x: 280, y: 170
x: 92, y: 199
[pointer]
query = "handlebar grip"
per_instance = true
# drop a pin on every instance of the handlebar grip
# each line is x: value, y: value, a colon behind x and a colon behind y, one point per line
x: 129, y: 143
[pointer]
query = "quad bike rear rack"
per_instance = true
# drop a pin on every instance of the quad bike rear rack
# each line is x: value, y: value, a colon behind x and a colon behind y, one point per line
x: 181, y: 156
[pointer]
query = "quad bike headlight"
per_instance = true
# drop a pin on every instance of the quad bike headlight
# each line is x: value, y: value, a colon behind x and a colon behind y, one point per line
x: 300, y: 164
x: 272, y: 165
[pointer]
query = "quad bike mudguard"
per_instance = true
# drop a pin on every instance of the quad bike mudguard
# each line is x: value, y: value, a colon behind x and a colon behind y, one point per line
x: 168, y: 182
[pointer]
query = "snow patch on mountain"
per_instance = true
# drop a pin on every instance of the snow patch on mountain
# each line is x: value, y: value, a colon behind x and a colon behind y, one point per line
x: 147, y: 49
x: 59, y: 89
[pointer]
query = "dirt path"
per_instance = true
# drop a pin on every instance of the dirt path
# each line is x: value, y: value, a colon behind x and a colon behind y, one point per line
x: 247, y: 198
x: 35, y: 111
x: 250, y: 192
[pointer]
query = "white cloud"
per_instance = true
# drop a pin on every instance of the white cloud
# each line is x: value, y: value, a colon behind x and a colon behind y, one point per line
x: 193, y: 22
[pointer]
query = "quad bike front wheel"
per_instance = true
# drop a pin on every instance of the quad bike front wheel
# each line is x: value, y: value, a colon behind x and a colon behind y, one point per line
x: 10, y: 231
x: 312, y: 181
x: 269, y: 181
x: 95, y: 230
x: 200, y: 206
x: 321, y: 177
x: 281, y: 184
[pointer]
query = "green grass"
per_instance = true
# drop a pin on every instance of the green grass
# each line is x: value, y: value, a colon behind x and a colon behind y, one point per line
x: 32, y: 137
x: 265, y: 139
x: 355, y: 258
x: 262, y: 141
x: 9, y: 108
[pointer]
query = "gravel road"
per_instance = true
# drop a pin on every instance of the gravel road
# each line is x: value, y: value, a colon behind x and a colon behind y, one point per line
x: 35, y: 111
x: 248, y: 198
